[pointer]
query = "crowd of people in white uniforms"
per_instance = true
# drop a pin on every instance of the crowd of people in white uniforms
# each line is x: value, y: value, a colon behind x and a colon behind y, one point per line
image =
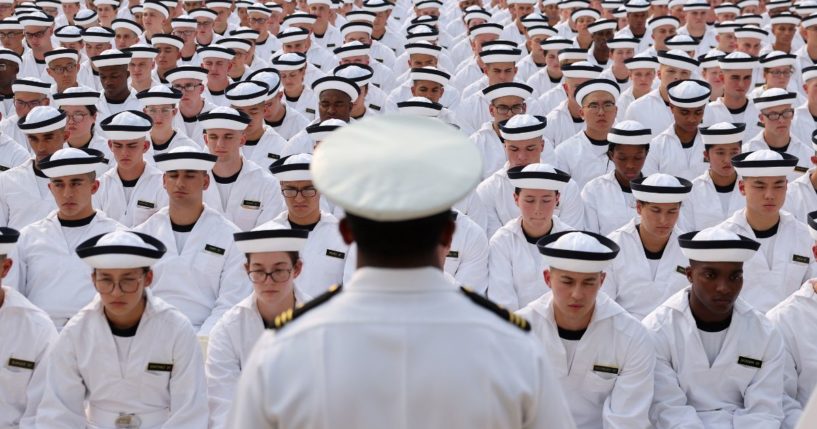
x: 644, y: 200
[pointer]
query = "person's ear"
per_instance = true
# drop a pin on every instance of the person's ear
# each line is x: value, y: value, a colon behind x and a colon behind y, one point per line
x: 688, y: 272
x: 447, y: 236
x: 346, y: 231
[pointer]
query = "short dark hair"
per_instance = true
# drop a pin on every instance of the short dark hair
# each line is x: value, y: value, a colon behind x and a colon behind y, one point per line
x: 293, y: 257
x: 518, y: 190
x: 398, y: 239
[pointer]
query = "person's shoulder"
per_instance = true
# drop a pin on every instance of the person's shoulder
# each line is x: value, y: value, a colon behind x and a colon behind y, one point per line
x: 497, y: 310
x: 284, y: 319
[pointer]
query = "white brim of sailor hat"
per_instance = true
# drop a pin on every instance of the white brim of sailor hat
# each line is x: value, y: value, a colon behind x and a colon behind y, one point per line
x: 121, y: 250
x: 581, y: 70
x: 689, y: 93
x: 659, y: 188
x: 186, y: 72
x: 629, y: 132
x: 158, y: 95
x: 9, y: 55
x: 599, y: 255
x: 247, y: 93
x: 42, y: 119
x: 271, y: 77
x: 215, y: 52
x: 523, y: 127
x: 142, y: 50
x: 292, y: 168
x: 127, y: 125
x: 420, y: 106
x: 289, y: 61
x: 594, y: 85
x: 58, y: 54
x: 430, y: 74
x: 764, y: 163
x: 337, y: 83
x: 185, y: 158
x: 777, y: 59
x: 572, y: 54
x: 678, y: 59
x: 98, y: 35
x: 8, y: 240
x: 72, y: 161
x: 555, y: 43
x: 223, y: 117
x: 319, y: 132
x: 500, y: 55
x: 111, y: 57
x: 127, y: 24
x: 77, y: 96
x: 774, y: 97
x: 271, y: 240
x: 512, y: 89
x: 811, y: 220
x: 31, y: 85
x: 722, y: 133
x: 623, y: 43
x: 538, y: 176
x: 167, y: 39
x: 738, y: 61
x: 716, y: 244
x: 642, y: 62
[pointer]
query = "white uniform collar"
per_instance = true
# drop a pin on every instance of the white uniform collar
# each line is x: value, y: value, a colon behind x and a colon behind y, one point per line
x: 605, y: 308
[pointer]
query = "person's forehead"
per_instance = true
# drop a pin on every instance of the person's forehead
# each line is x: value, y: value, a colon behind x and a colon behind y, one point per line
x: 599, y: 96
x: 129, y: 142
x: 333, y: 94
x: 509, y: 100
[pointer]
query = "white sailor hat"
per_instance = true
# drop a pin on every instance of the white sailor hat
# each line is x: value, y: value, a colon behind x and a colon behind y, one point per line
x: 185, y: 158
x: 8, y: 240
x: 726, y: 8
x: 541, y: 30
x: 271, y: 238
x: 615, y: 4
x: 171, y: 4
x: 113, y: 3
x: 223, y: 117
x: 259, y: 8
x: 10, y: 23
x: 577, y: 251
x: 127, y: 125
x: 352, y: 49
x: 186, y: 72
x: 226, y: 4
x: 235, y: 43
x: 167, y: 39
x: 581, y: 70
x: 214, y: 51
x: 318, y: 132
x: 293, y: 168
x: 678, y: 59
x: 754, y: 21
x: 747, y: 3
x: 785, y: 18
x: 299, y: 18
x: 271, y: 77
x: 691, y: 5
x: 507, y: 89
x: 811, y: 220
x: 682, y: 42
x: 247, y: 93
x: 420, y: 106
x: 244, y: 33
x: 429, y: 73
x: 510, y: 2
x: 360, y: 74
x: 356, y: 27
x: 361, y: 16
x: 778, y: 4
x: 42, y: 119
x: 629, y: 132
x: 535, y: 19
x: 585, y: 12
x: 593, y: 85
x: 738, y: 61
x: 56, y: 3
x: 810, y: 20
x: 623, y: 43
x: 98, y: 35
x: 157, y: 6
x: 292, y: 34
x: 661, y: 188
x: 726, y: 27
x: 750, y: 31
x: 722, y: 133
x: 127, y: 24
x: 711, y: 58
x: 61, y: 53
x: 641, y: 61
x: 573, y: 54
x: 9, y: 55
x: 777, y: 59
x: 660, y: 21
x: 522, y: 127
x: 538, y: 176
x: 384, y: 187
x: 421, y: 32
x: 239, y: 4
x: 134, y: 10
x: 35, y: 19
x: 434, y: 4
x: 142, y: 50
x: 809, y: 73
x: 76, y: 96
x: 764, y: 163
x: 71, y: 161
x: 689, y: 93
x: 121, y: 249
x: 203, y: 12
x: 423, y: 48
x: 774, y: 97
x: 805, y: 8
x: 499, y: 54
x: 556, y: 43
x: 377, y: 5
x: 111, y: 57
x: 183, y: 21
x: 572, y: 4
x: 717, y: 244
x: 323, y: 2
x: 65, y: 34
x: 337, y: 83
x: 289, y: 61
x: 157, y: 95
x: 602, y: 25
x: 486, y: 28
x: 675, y: 3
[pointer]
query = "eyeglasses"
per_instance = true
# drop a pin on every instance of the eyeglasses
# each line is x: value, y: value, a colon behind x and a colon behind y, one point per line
x: 786, y: 114
x: 62, y: 70
x: 278, y: 276
x: 153, y: 111
x: 30, y: 104
x: 105, y: 286
x: 780, y: 73
x: 204, y: 24
x: 258, y: 21
x: 187, y: 88
x: 306, y: 192
x: 77, y: 117
x: 35, y: 35
x: 10, y: 34
x: 608, y: 106
x: 503, y: 109
x: 183, y: 33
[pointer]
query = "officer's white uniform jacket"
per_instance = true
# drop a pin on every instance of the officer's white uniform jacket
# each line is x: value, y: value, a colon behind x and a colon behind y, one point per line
x: 24, y: 196
x: 403, y: 309
x: 267, y: 150
x: 716, y: 112
x: 669, y: 157
x: 765, y: 286
x: 24, y: 342
x: 803, y: 124
x: 802, y: 151
x: 801, y: 197
x: 629, y: 280
x: 207, y: 277
x: 12, y: 154
x: 606, y: 206
x: 790, y: 317
x: 85, y: 372
x: 146, y: 198
x: 560, y: 125
x: 496, y: 195
x: 703, y: 208
x: 650, y: 110
x: 292, y: 123
x: 324, y: 254
x: 609, y: 384
x: 515, y: 267
x: 732, y: 392
x: 48, y: 271
x: 255, y: 197
x: 582, y: 160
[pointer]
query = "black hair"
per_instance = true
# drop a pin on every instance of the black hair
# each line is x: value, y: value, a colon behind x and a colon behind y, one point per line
x: 518, y: 190
x: 709, y: 146
x: 402, y: 239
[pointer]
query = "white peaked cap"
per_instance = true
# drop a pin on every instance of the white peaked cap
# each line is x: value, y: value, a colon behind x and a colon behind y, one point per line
x: 355, y: 167
x: 577, y: 251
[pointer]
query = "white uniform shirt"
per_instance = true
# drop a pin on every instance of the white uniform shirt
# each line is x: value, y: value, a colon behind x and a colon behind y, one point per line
x: 582, y: 160
x: 801, y: 197
x: 716, y: 112
x: 292, y: 122
x: 146, y: 198
x: 370, y: 336
x: 703, y: 208
x: 669, y: 157
x: 9, y: 128
x: 177, y: 139
x: 630, y: 281
x: 515, y: 266
x: 106, y: 108
x: 803, y: 124
x: 609, y: 383
x: 266, y: 150
x: 192, y: 126
x: 802, y: 151
x: 254, y: 197
x: 306, y: 103
x: 651, y: 111
x: 560, y: 125
x: 732, y: 392
x: 490, y: 147
x: 12, y: 154
x: 207, y: 277
x: 541, y: 82
x: 23, y: 345
x: 161, y: 381
x: 765, y: 286
x: 24, y: 196
x: 606, y: 206
x: 473, y: 112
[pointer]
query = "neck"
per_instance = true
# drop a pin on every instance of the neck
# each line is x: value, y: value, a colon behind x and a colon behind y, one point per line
x: 662, y: 91
x: 119, y: 96
x: 620, y: 71
x: 720, y: 180
x: 277, y: 112
x: 228, y: 166
x: 192, y: 109
x: 129, y: 320
x: 254, y: 134
x: 184, y: 214
x: 307, y: 219
x: 685, y: 135
x: 813, y: 179
x: 596, y: 134
x: 131, y: 173
x: 776, y: 140
x: 652, y: 242
x: 762, y: 221
x: 79, y: 140
x: 294, y: 92
x: 811, y: 49
x: 376, y: 260
x: 639, y: 93
x: 161, y: 135
x: 537, y: 230
x: 573, y: 108
x: 358, y: 110
x: 81, y: 215
x: 573, y: 323
x: 218, y: 85
x: 784, y: 47
x: 555, y: 74
x: 281, y: 303
x: 188, y: 50
x: 734, y: 101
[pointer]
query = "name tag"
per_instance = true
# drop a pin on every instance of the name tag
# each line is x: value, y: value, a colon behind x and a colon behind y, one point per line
x: 273, y: 156
x: 800, y: 259
x: 310, y: 111
x: 19, y: 363
x: 335, y: 254
x: 317, y: 66
x: 374, y: 107
x: 605, y: 369
x: 162, y: 367
x: 145, y: 204
x: 376, y: 84
x: 3, y: 168
x: 213, y: 249
x: 800, y: 169
x: 745, y: 361
x: 681, y: 270
x: 453, y: 254
x: 248, y: 204
x: 330, y: 45
x: 379, y: 60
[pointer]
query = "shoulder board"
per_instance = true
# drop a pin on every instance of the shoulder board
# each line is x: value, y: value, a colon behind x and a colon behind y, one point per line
x: 497, y: 309
x: 282, y: 319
